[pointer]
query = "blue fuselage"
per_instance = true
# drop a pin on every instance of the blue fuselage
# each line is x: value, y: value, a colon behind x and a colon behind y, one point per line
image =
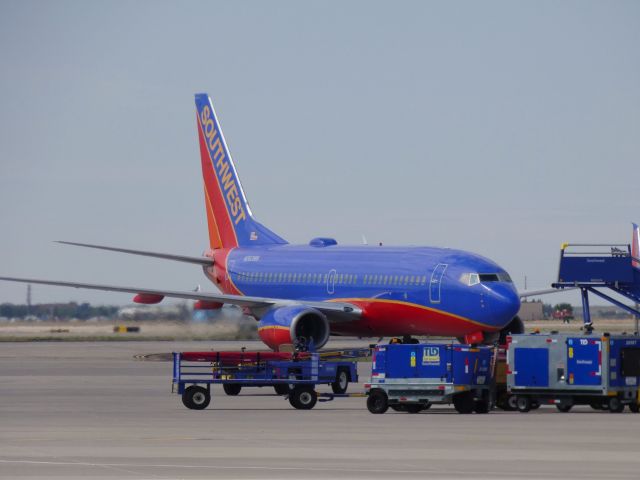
x: 423, y: 290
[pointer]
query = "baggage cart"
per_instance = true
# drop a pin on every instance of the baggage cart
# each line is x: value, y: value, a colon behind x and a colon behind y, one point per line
x: 292, y: 375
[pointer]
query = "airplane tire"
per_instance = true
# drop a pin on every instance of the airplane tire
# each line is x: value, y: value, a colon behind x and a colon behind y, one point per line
x: 303, y: 398
x: 196, y: 398
x: 377, y: 401
x: 281, y: 389
x: 232, y: 389
x: 341, y: 383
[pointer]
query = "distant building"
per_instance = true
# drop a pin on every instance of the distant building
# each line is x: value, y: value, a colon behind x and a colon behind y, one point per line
x: 531, y: 310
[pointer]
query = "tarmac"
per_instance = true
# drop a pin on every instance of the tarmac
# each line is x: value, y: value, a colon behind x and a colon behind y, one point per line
x: 92, y: 410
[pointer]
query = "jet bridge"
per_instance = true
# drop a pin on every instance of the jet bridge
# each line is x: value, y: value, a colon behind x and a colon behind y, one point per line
x: 596, y: 267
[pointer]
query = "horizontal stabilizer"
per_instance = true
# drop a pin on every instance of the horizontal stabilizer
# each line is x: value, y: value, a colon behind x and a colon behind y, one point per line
x: 167, y: 256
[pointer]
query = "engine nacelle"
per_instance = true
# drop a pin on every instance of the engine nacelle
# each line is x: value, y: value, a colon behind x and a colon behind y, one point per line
x: 292, y: 325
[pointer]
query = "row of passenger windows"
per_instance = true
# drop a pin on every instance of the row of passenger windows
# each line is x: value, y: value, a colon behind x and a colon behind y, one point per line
x: 340, y: 278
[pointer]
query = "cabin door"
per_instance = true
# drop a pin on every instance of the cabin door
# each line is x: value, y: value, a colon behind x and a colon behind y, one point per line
x: 331, y: 282
x: 436, y: 283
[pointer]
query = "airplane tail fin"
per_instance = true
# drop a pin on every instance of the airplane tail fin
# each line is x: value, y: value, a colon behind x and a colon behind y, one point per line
x: 228, y: 215
x: 635, y: 247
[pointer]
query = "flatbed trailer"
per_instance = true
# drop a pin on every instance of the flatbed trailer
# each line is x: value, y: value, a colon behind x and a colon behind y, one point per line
x: 412, y: 377
x: 292, y: 375
x: 602, y: 371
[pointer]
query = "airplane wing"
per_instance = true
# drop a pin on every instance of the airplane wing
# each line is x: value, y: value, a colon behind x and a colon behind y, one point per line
x: 336, y: 311
x: 167, y: 256
x: 535, y: 293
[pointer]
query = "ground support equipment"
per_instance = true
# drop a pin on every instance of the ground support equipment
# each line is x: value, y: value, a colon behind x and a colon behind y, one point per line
x: 602, y: 371
x: 411, y: 378
x: 293, y: 375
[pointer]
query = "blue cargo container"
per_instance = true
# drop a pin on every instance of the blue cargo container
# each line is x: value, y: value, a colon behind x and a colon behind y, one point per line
x: 598, y: 370
x: 412, y: 377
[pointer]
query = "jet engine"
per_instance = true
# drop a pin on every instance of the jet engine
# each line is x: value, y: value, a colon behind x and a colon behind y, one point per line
x: 296, y: 324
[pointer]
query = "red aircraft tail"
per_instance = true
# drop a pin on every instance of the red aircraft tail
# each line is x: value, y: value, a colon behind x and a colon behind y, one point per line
x: 228, y: 215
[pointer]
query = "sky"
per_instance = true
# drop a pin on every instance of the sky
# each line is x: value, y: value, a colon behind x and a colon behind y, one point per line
x: 499, y: 127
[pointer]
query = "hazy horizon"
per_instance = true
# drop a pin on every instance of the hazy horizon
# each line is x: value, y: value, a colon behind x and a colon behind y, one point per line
x: 502, y: 128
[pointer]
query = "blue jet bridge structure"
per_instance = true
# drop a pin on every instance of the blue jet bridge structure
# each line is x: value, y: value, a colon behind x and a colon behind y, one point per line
x: 591, y: 267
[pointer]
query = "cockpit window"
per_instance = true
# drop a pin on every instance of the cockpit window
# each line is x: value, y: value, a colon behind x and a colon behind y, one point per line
x: 495, y: 277
x: 470, y: 278
x: 488, y: 277
x: 475, y: 278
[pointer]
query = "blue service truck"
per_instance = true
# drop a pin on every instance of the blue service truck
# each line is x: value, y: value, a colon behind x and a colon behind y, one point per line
x: 602, y: 371
x: 412, y: 377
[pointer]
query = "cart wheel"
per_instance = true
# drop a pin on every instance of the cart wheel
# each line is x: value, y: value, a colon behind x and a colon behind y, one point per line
x: 341, y: 383
x: 463, y: 402
x: 564, y: 405
x: 481, y: 406
x: 615, y: 405
x: 634, y: 407
x: 377, y: 402
x: 232, y: 389
x: 523, y: 404
x: 196, y: 398
x: 281, y: 389
x: 303, y: 398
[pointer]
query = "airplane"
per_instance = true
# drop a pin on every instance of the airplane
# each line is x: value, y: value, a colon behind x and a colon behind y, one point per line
x: 302, y: 294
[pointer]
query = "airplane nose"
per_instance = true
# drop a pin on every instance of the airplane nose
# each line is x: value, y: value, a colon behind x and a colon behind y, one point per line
x: 503, y: 303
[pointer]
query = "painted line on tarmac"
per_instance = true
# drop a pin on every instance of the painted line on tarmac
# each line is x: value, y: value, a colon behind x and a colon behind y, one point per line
x: 498, y: 474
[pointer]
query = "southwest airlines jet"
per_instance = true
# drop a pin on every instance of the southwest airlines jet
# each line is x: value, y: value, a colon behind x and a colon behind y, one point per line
x: 305, y: 293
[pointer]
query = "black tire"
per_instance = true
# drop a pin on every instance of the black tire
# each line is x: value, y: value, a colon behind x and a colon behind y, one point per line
x: 481, y: 406
x: 398, y: 407
x: 597, y: 406
x: 512, y: 403
x: 377, y: 402
x: 564, y: 405
x: 634, y: 407
x: 342, y: 382
x: 426, y: 406
x: 523, y: 404
x: 303, y: 397
x: 232, y: 389
x: 196, y: 398
x: 615, y: 405
x: 281, y: 389
x: 535, y: 405
x: 464, y: 402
